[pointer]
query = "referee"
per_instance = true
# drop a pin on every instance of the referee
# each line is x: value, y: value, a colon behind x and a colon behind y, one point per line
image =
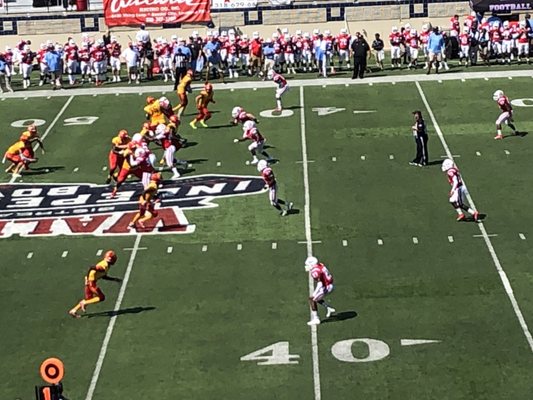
x: 421, y: 138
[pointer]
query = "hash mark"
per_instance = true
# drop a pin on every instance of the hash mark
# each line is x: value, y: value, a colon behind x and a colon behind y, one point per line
x: 94, y: 95
x: 117, y: 94
x: 363, y: 158
x: 380, y: 242
x: 99, y: 252
x: 169, y: 249
x: 25, y: 98
x: 522, y: 236
x: 440, y: 80
x: 488, y: 235
x: 232, y: 90
x: 324, y: 86
x: 312, y: 241
x: 274, y: 245
x: 348, y: 85
x: 219, y: 163
x: 104, y: 168
x: 507, y: 152
x: 30, y: 255
x: 204, y: 247
x: 415, y: 240
x: 254, y: 88
x: 370, y: 84
x: 478, y: 153
x: 510, y: 78
x: 239, y: 247
x: 345, y: 243
x: 486, y: 78
x: 333, y: 158
x: 163, y: 93
x: 75, y: 169
x: 391, y: 156
x: 394, y: 83
x: 65, y: 253
x: 49, y: 97
x: 450, y: 239
x: 463, y: 80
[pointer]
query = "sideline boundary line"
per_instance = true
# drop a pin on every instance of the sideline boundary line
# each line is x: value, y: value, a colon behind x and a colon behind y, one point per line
x: 112, y: 321
x: 49, y: 129
x: 113, y: 90
x: 481, y: 226
x: 309, y: 242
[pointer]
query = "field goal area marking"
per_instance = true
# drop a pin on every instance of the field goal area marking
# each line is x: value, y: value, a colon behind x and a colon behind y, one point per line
x: 483, y: 231
x: 309, y: 242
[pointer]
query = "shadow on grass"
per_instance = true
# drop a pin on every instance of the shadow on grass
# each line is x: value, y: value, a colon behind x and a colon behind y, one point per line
x: 112, y: 313
x: 43, y: 170
x: 342, y: 316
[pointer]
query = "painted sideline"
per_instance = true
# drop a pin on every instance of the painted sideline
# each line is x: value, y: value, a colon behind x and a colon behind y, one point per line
x: 449, y: 76
x: 481, y: 226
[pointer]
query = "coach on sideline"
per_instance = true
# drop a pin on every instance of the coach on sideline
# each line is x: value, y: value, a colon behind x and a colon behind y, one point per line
x: 421, y: 138
x: 360, y: 51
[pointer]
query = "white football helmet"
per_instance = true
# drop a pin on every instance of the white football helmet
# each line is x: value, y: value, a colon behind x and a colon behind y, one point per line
x: 236, y: 111
x: 446, y: 165
x: 137, y: 138
x: 307, y: 35
x: 160, y: 129
x: 163, y: 101
x: 298, y: 32
x: 343, y: 31
x: 275, y: 35
x: 316, y: 31
x: 394, y: 29
x: 270, y: 74
x: 327, y: 32
x: 261, y: 165
x: 285, y: 31
x: 497, y: 94
x: 248, y: 125
x: 506, y: 24
x: 244, y: 36
x: 255, y: 35
x: 413, y: 32
x: 310, y: 262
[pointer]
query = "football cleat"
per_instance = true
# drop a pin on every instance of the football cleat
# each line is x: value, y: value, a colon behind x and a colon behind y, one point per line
x: 203, y: 124
x: 82, y: 305
x: 330, y: 312
x: 498, y: 137
x: 461, y: 217
x: 476, y: 216
x: 193, y: 125
x: 73, y: 314
x: 284, y: 213
x: 254, y: 161
x: 314, y: 321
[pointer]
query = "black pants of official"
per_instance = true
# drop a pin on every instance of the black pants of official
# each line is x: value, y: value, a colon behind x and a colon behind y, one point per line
x: 422, y: 156
x: 359, y: 67
x: 180, y: 73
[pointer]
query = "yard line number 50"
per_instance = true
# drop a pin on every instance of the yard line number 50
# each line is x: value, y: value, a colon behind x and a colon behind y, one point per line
x: 279, y: 354
x: 85, y: 120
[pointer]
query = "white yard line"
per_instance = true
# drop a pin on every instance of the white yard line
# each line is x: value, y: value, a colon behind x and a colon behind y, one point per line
x: 49, y: 129
x: 112, y: 321
x: 254, y: 85
x: 309, y: 239
x: 481, y: 226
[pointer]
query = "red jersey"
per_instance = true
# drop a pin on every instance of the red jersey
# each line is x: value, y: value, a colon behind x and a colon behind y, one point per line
x: 506, y: 34
x: 321, y: 274
x: 395, y: 39
x: 98, y: 54
x: 454, y: 25
x: 84, y: 55
x: 8, y: 57
x: 424, y: 37
x: 504, y: 104
x: 233, y: 49
x: 255, y: 47
x: 244, y: 46
x: 495, y: 36
x: 268, y: 176
x: 464, y: 39
x: 343, y: 41
x: 115, y: 50
x: 27, y: 57
x: 454, y: 177
x: 413, y: 42
x: 279, y: 80
x: 253, y: 135
x: 242, y: 117
x: 278, y: 48
x: 522, y: 36
x: 71, y: 52
x: 40, y: 55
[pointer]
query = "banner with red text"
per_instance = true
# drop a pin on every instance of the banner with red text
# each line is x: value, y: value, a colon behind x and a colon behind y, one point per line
x: 155, y: 12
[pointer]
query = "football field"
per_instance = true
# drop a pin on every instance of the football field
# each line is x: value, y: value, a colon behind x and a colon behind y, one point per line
x: 213, y: 302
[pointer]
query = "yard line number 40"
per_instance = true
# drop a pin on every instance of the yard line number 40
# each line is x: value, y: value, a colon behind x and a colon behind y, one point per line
x: 279, y: 354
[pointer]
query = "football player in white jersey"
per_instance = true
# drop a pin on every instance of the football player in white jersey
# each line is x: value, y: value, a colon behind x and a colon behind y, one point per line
x: 458, y: 192
x: 321, y: 275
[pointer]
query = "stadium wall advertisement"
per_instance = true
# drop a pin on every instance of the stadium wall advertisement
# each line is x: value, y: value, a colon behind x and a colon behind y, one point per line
x: 231, y: 4
x: 501, y: 6
x: 155, y: 12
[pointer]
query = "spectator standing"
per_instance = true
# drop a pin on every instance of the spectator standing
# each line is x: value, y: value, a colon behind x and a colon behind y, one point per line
x: 421, y: 139
x: 142, y: 35
x: 529, y: 27
x: 55, y: 65
x: 195, y: 47
x: 360, y: 51
x: 256, y: 52
x: 379, y: 53
x: 435, y: 47
x: 212, y: 51
x: 132, y: 56
x: 268, y: 56
x: 4, y: 81
x: 181, y: 60
x: 106, y: 37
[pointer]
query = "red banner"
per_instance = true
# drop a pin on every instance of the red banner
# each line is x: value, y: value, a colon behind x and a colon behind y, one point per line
x: 155, y: 12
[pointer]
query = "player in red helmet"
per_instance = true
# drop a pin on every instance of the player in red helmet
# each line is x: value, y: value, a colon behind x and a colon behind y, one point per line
x: 147, y: 201
x: 202, y: 101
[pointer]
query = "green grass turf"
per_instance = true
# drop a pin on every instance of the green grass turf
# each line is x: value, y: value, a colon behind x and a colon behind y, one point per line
x: 188, y: 316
